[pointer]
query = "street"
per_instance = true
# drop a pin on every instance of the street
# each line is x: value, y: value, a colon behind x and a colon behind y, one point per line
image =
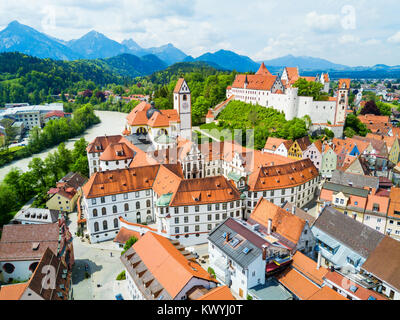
x: 102, y: 268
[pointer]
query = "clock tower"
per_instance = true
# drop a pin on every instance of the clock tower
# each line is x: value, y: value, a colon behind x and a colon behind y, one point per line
x: 182, y: 104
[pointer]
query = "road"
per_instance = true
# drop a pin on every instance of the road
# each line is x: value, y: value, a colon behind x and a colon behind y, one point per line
x: 104, y: 265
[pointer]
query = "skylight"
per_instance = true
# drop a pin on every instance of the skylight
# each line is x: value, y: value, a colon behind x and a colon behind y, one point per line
x: 246, y: 250
x: 353, y: 288
x: 235, y: 242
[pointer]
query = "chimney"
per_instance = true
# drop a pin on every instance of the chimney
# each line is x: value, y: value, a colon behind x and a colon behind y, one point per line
x: 319, y: 260
x: 269, y: 226
x: 227, y: 237
x: 264, y: 252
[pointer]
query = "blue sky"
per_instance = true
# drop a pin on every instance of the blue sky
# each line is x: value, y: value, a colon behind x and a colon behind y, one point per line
x: 352, y: 32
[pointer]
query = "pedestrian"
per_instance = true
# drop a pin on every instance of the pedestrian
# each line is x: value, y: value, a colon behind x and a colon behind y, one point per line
x: 110, y: 254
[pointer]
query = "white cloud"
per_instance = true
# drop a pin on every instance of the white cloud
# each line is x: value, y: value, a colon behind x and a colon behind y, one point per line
x: 322, y: 22
x: 395, y: 38
x: 348, y: 38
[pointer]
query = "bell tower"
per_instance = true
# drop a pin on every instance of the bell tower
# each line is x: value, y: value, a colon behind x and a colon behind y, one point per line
x: 183, y: 104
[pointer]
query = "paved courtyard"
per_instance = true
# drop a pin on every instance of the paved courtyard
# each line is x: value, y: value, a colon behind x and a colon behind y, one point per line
x: 104, y: 264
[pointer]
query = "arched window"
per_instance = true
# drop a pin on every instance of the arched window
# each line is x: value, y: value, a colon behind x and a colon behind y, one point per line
x: 96, y: 227
x: 138, y: 217
x: 184, y: 97
x: 103, y: 211
x: 126, y: 207
x: 94, y: 212
x: 33, y: 266
x: 95, y: 169
x: 94, y: 162
x: 138, y: 205
x: 8, y: 268
x: 148, y: 203
x: 115, y: 223
x: 105, y: 225
x: 114, y: 209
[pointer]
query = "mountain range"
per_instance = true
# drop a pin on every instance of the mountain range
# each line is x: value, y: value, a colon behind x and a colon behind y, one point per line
x: 136, y: 60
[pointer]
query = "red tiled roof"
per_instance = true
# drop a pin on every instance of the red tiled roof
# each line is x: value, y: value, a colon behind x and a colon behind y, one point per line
x: 167, y: 264
x: 255, y: 82
x: 283, y: 222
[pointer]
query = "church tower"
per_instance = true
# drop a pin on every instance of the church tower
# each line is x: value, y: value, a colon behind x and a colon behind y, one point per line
x: 342, y: 100
x: 183, y: 104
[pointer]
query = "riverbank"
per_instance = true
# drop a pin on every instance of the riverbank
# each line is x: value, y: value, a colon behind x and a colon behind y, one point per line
x: 112, y: 123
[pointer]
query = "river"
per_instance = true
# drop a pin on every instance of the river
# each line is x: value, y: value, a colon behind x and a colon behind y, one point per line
x: 112, y: 123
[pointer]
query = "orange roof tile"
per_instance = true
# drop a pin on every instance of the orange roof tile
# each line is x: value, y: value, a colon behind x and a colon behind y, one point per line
x: 161, y: 118
x: 345, y: 82
x: 12, y: 291
x: 394, y: 205
x: 124, y: 235
x: 273, y: 143
x: 382, y: 202
x: 100, y: 144
x: 206, y: 190
x: 263, y: 70
x: 179, y: 85
x: 293, y: 74
x: 297, y: 283
x: 287, y: 175
x: 326, y: 293
x: 117, y: 151
x: 308, y: 268
x: 167, y: 264
x: 284, y: 223
x: 210, y: 114
x: 255, y: 82
x: 218, y: 293
x: 112, y: 182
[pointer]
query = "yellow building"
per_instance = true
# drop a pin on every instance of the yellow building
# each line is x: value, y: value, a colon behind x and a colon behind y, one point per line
x: 297, y: 149
x: 67, y: 192
x: 62, y: 199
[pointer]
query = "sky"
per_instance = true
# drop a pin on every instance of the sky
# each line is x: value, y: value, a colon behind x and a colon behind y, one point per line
x: 350, y: 32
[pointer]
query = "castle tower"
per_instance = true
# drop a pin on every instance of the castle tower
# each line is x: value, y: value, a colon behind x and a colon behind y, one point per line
x: 183, y: 104
x: 342, y: 100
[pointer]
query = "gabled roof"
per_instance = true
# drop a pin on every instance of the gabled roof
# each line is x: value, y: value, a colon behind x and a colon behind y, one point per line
x: 304, y: 143
x: 263, y: 70
x: 345, y: 83
x: 179, y: 84
x: 218, y: 293
x: 112, y: 182
x: 166, y: 263
x: 292, y: 74
x: 17, y: 241
x: 12, y: 291
x: 308, y: 268
x: 62, y: 279
x: 355, y: 235
x: 100, y: 144
x: 282, y: 176
x: 273, y: 143
x: 117, y: 151
x: 284, y: 223
x: 394, y: 206
x: 384, y: 262
x: 255, y: 82
x: 141, y: 115
x: 326, y: 293
x: 248, y: 239
x: 355, y: 180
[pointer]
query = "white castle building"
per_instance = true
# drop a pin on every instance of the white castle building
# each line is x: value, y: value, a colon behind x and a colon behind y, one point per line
x: 268, y: 90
